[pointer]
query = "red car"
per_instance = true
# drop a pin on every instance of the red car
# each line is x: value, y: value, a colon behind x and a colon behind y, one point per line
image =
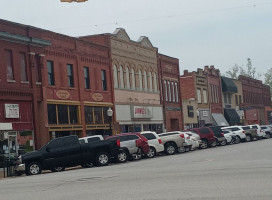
x: 206, y: 136
x: 134, y: 144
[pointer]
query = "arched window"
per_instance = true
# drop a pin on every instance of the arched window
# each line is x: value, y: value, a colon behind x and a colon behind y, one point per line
x: 145, y: 81
x: 155, y: 82
x: 121, y: 77
x: 115, y: 76
x: 165, y: 90
x: 140, y: 80
x: 177, y: 92
x: 132, y: 79
x: 150, y: 82
x: 169, y: 90
x: 127, y: 78
x: 173, y: 92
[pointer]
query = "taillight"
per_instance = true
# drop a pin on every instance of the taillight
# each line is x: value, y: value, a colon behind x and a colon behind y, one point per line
x: 181, y: 135
x: 188, y: 137
x: 243, y: 132
x: 137, y: 143
x: 222, y: 134
x: 145, y: 139
x: 118, y: 142
x: 160, y: 141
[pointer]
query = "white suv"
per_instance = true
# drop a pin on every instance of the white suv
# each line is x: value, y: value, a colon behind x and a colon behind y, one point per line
x: 154, y: 142
x: 238, y: 131
x: 260, y: 132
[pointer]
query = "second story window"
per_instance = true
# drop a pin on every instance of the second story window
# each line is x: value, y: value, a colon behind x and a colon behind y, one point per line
x: 86, y: 78
x: 50, y: 72
x: 199, y: 100
x: 23, y: 67
x: 166, y: 93
x: 104, y: 80
x: 70, y: 74
x: 9, y: 64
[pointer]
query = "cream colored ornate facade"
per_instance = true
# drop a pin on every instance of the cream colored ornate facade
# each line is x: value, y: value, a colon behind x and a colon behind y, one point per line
x: 136, y: 88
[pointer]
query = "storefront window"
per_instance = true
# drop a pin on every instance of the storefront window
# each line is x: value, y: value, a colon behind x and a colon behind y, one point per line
x: 88, y: 111
x: 73, y: 114
x: 106, y: 117
x: 63, y: 114
x: 52, y: 117
x: 98, y: 115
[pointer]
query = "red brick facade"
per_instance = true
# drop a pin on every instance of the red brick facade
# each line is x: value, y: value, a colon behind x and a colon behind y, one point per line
x: 170, y: 86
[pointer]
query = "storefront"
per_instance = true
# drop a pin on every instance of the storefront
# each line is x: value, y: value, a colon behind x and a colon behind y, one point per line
x: 204, y: 117
x: 139, y: 118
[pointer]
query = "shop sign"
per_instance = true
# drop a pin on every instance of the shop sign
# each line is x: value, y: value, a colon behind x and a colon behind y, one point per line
x: 97, y: 97
x: 12, y: 110
x: 142, y: 112
x: 62, y: 94
x: 205, y: 113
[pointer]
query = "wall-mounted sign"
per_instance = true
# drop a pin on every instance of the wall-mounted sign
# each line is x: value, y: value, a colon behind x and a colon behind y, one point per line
x: 205, y: 113
x: 63, y: 94
x: 142, y: 112
x: 97, y: 97
x: 12, y: 110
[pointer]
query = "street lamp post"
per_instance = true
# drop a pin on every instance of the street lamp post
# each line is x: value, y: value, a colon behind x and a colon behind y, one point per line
x: 109, y: 113
x: 198, y: 114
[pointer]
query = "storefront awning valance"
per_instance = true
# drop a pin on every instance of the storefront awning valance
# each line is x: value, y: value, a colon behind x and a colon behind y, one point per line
x: 231, y: 116
x: 228, y: 85
x: 219, y: 119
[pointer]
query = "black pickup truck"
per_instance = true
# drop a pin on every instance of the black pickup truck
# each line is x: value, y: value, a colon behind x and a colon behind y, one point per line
x: 68, y: 152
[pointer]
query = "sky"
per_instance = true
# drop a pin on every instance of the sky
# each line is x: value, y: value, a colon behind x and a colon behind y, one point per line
x: 197, y: 32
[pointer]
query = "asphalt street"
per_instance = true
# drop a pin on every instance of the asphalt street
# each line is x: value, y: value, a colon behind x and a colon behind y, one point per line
x: 235, y: 172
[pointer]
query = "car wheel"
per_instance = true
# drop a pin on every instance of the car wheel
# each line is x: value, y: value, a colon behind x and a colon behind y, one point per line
x: 151, y: 153
x: 138, y: 155
x: 237, y: 140
x: 223, y: 143
x: 33, y: 168
x: 204, y: 144
x: 217, y: 142
x: 170, y: 149
x: 122, y: 157
x: 181, y: 149
x: 58, y: 169
x: 248, y: 138
x: 102, y: 159
x: 267, y: 135
x: 187, y: 149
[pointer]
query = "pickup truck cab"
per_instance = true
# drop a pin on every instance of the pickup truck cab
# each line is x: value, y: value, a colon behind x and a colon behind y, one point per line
x: 68, y: 152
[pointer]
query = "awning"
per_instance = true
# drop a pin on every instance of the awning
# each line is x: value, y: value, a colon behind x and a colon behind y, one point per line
x: 228, y: 85
x: 232, y: 116
x: 219, y: 119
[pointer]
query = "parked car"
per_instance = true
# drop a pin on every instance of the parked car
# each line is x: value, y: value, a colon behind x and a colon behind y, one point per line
x: 268, y: 131
x: 191, y: 140
x: 219, y: 135
x: 230, y: 136
x: 196, y: 137
x: 66, y: 151
x: 154, y: 142
x: 238, y: 131
x: 260, y: 132
x: 134, y: 144
x: 251, y: 134
x: 173, y: 142
x: 206, y: 136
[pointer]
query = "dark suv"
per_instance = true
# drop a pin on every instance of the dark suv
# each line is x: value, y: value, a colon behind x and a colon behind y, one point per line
x: 206, y: 136
x: 134, y: 144
x: 219, y: 135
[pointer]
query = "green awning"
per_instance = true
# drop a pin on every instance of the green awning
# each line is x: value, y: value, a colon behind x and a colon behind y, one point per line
x: 228, y: 85
x: 231, y: 116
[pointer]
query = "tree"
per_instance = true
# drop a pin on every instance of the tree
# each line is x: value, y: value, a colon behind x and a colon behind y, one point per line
x: 237, y: 70
x: 268, y: 78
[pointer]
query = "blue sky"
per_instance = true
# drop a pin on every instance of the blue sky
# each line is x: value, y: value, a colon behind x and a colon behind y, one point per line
x: 197, y: 32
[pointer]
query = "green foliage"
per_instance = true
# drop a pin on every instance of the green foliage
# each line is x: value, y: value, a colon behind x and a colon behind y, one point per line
x: 268, y: 78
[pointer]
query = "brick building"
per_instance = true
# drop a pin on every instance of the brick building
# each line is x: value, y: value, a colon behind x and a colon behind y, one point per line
x: 256, y: 101
x: 170, y: 92
x: 135, y: 81
x: 67, y: 89
x: 21, y: 94
x: 195, y: 96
